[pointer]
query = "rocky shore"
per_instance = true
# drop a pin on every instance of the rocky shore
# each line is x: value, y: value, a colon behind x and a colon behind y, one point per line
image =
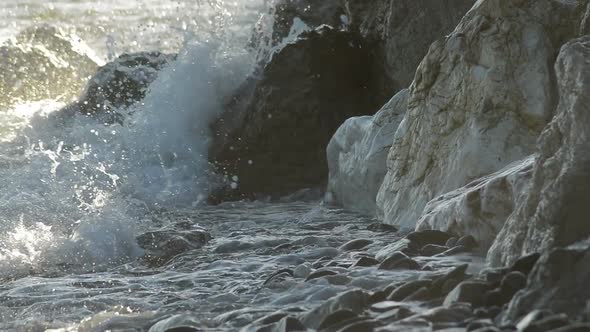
x: 477, y: 169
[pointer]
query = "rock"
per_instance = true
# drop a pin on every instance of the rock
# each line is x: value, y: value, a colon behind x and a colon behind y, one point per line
x: 548, y: 323
x: 472, y: 292
x: 401, y: 245
x: 357, y: 153
x: 576, y: 327
x: 403, y: 30
x: 557, y: 283
x: 407, y: 289
x: 451, y: 242
x: 424, y: 237
x: 479, y: 324
x: 362, y: 326
x: 55, y: 65
x: 468, y: 241
x: 381, y: 227
x: 355, y: 244
x: 454, y: 251
x: 512, y: 283
x: 365, y: 261
x: 475, y: 107
x: 288, y: 324
x: 457, y: 274
x: 177, y: 323
x: 280, y: 274
x: 480, y: 208
x: 444, y: 314
x: 353, y: 300
x: 399, y: 261
x: 432, y: 249
x: 319, y: 274
x: 162, y: 245
x: 531, y: 318
x: 526, y: 263
x: 302, y: 270
x: 553, y: 212
x: 337, y: 317
x: 272, y: 136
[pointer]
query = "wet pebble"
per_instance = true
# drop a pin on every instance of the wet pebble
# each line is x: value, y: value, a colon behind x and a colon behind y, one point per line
x: 472, y: 292
x: 526, y: 263
x: 407, y: 289
x: 396, y: 263
x: 512, y: 283
x: 302, y: 270
x: 456, y: 250
x: 337, y: 317
x: 278, y: 275
x: 365, y: 262
x: 422, y: 238
x: 381, y: 227
x: 319, y: 274
x: 355, y: 244
x: 467, y: 241
x: 432, y: 249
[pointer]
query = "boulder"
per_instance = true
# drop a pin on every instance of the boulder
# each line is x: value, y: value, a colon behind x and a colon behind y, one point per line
x: 559, y: 283
x: 272, y: 137
x: 402, y: 30
x: 478, y: 102
x: 44, y: 62
x: 357, y: 156
x: 553, y: 212
x: 120, y: 83
x: 162, y: 245
x: 481, y: 207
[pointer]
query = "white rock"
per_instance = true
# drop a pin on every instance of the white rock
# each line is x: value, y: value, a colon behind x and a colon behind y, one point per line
x: 478, y: 102
x: 481, y: 207
x: 357, y: 155
x: 555, y: 210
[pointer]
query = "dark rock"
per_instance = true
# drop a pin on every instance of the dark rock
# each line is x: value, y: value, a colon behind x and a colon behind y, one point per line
x: 457, y: 273
x: 467, y: 241
x: 407, y: 289
x: 472, y: 292
x: 444, y: 314
x: 355, y: 244
x: 320, y: 262
x: 532, y: 317
x: 288, y: 324
x: 274, y: 132
x: 494, y: 311
x: 381, y: 227
x: 576, y: 327
x: 454, y: 251
x: 449, y: 285
x: 487, y: 329
x: 120, y: 83
x: 354, y: 300
x: 396, y: 256
x: 451, y: 242
x: 432, y: 249
x: 422, y: 294
x: 379, y: 296
x: 494, y: 276
x: 272, y: 318
x: 404, y: 263
x: 279, y: 272
x: 526, y: 263
x: 365, y: 261
x: 422, y: 238
x: 183, y: 329
x: 319, y: 274
x: 404, y: 30
x: 162, y: 245
x: 495, y: 298
x: 548, y: 323
x: 512, y: 283
x: 362, y: 326
x: 478, y: 324
x: 337, y: 318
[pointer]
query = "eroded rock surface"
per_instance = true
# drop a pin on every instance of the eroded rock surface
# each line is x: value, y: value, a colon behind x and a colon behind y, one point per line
x: 357, y: 155
x: 481, y: 207
x: 554, y: 211
x: 479, y: 100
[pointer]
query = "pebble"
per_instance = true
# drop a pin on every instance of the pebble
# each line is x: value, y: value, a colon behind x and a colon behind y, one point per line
x: 451, y: 242
x: 472, y: 292
x: 355, y: 244
x: 512, y: 283
x: 319, y: 274
x: 407, y: 289
x: 432, y: 249
x: 302, y: 270
x: 288, y: 272
x: 385, y: 306
x: 362, y: 326
x: 336, y: 318
x: 401, y: 263
x: 576, y: 327
x: 381, y: 227
x: 422, y: 238
x: 365, y: 262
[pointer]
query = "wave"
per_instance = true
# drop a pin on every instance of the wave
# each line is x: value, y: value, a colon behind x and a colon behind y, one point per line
x: 75, y: 192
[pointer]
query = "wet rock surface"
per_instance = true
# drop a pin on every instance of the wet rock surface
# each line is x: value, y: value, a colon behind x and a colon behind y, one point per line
x: 271, y: 139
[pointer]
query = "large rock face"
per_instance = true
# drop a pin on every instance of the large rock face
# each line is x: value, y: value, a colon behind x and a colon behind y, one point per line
x: 357, y: 155
x: 403, y: 30
x: 272, y: 139
x: 478, y: 102
x: 554, y: 212
x: 481, y: 207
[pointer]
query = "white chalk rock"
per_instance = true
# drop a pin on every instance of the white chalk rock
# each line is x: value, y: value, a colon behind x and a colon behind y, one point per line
x: 357, y: 155
x: 555, y: 210
x: 481, y: 207
x: 478, y: 102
